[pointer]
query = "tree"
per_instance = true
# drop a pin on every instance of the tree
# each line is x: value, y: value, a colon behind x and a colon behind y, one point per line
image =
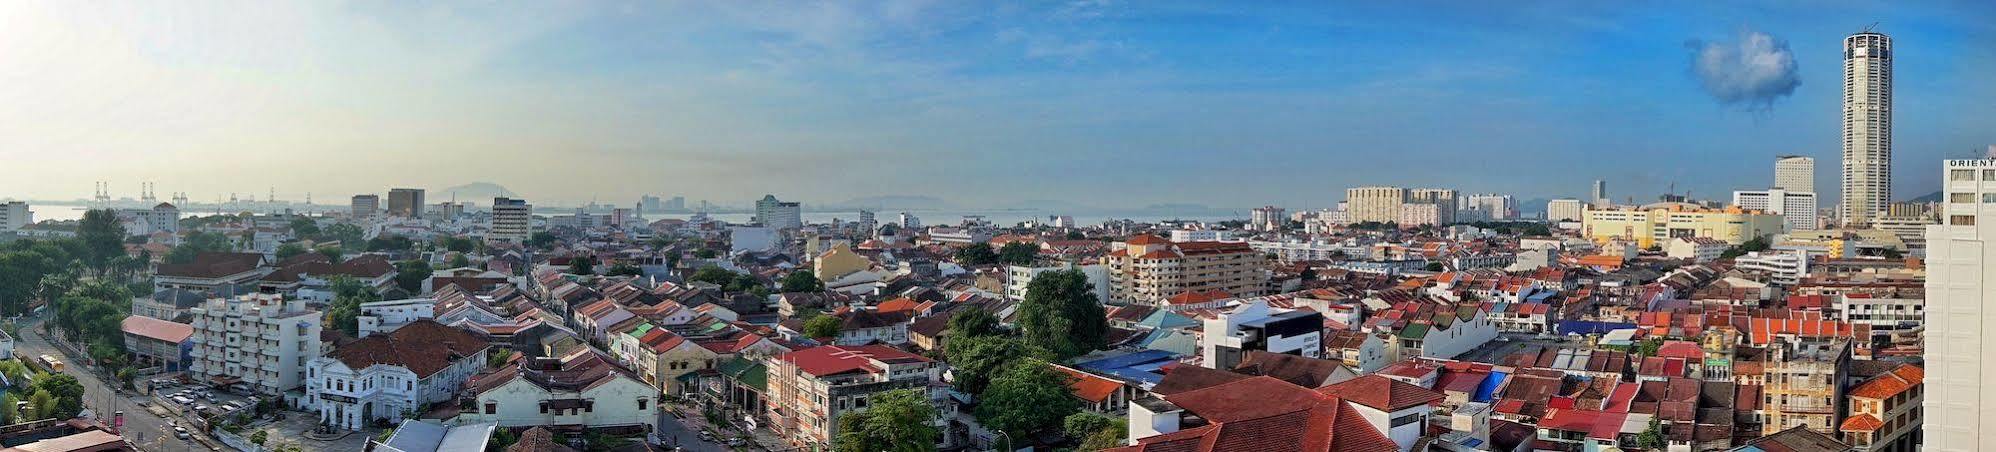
x: 973, y: 321
x: 1060, y: 314
x: 103, y: 237
x: 704, y: 253
x: 1435, y: 267
x: 624, y: 269
x: 1651, y: 438
x: 68, y: 394
x: 1080, y: 425
x: 42, y: 405
x: 259, y: 437
x: 304, y: 227
x: 1757, y: 244
x: 458, y: 244
x: 459, y: 261
x: 1076, y: 235
x: 976, y: 254
x: 390, y: 243
x: 975, y: 360
x: 1028, y: 397
x: 1107, y: 438
x: 289, y: 250
x: 823, y: 326
x: 332, y: 253
x: 348, y: 294
x: 410, y: 274
x: 541, y: 239
x: 502, y: 438
x: 348, y: 235
x: 714, y: 275
x: 195, y: 244
x: 1018, y: 253
x: 898, y: 421
x: 10, y: 411
x: 802, y: 281
x: 582, y: 265
x: 1649, y: 347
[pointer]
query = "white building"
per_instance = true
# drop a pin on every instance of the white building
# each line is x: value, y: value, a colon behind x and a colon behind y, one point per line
x: 258, y: 341
x: 751, y: 239
x: 772, y: 213
x: 391, y: 376
x: 1565, y: 210
x: 378, y: 317
x: 1251, y: 325
x: 1867, y: 137
x: 585, y: 388
x: 1697, y: 249
x: 1495, y: 206
x: 160, y: 218
x: 14, y: 215
x: 1301, y: 250
x: 1782, y: 267
x: 1961, y: 263
x: 1797, y: 209
x: 512, y: 220
x: 1201, y: 235
x: 1883, y: 314
x: 1267, y: 218
x: 1018, y: 277
x: 1795, y: 173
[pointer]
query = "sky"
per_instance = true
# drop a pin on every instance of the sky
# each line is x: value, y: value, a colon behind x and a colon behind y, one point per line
x: 1104, y: 103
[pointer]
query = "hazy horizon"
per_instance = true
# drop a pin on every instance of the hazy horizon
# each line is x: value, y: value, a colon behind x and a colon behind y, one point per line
x: 1107, y: 104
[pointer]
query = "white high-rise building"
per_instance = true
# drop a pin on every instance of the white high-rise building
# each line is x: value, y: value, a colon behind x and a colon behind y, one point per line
x: 1795, y: 173
x: 1797, y: 209
x: 1961, y: 311
x: 14, y: 215
x: 1867, y: 145
x: 512, y: 219
x: 261, y: 341
x: 778, y: 214
x: 1267, y: 218
x: 1494, y: 206
x: 1565, y: 210
x: 1375, y: 204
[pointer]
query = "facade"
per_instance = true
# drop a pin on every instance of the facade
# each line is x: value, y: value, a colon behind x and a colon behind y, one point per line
x: 772, y: 213
x: 583, y: 389
x: 1795, y: 173
x: 1375, y: 204
x: 1421, y: 214
x: 512, y: 220
x: 1653, y: 224
x: 155, y: 342
x: 405, y: 202
x: 1253, y: 326
x: 1804, y: 384
x: 1267, y: 218
x: 14, y: 215
x: 391, y: 376
x: 1960, y: 264
x: 1797, y: 209
x: 261, y: 341
x: 1600, y: 194
x: 1697, y: 249
x: 1885, y: 411
x: 365, y: 205
x: 810, y: 389
x: 1019, y: 277
x: 1782, y: 267
x: 1149, y: 269
x: 1494, y: 206
x: 1442, y: 197
x: 160, y: 218
x: 168, y: 304
x: 1565, y: 210
x: 1867, y: 131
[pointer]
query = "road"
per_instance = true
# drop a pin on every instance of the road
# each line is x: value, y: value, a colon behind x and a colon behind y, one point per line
x: 675, y: 433
x: 142, y: 428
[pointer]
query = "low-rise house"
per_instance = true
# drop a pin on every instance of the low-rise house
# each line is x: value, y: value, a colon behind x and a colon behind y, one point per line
x: 392, y: 376
x: 212, y: 272
x: 1261, y: 413
x: 810, y: 389
x: 155, y: 342
x: 1884, y: 412
x: 167, y: 304
x: 583, y: 390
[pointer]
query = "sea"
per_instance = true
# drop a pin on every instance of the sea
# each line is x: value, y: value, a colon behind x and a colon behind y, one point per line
x: 1005, y: 217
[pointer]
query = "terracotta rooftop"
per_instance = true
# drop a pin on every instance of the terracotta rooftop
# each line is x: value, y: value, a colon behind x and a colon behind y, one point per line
x: 423, y: 347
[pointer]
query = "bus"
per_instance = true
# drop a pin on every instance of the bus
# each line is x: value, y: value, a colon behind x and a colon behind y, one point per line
x: 54, y: 365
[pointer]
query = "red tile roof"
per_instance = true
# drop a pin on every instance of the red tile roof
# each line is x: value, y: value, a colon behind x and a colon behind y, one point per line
x: 831, y: 360
x: 1089, y: 387
x: 1381, y: 393
x: 1889, y: 384
x: 1269, y: 415
x: 423, y: 347
x: 1861, y: 423
x: 1146, y: 239
x: 161, y: 330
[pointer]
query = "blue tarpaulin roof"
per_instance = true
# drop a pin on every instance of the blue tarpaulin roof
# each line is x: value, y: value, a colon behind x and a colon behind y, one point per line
x: 1489, y: 387
x: 1589, y: 327
x: 1139, y: 366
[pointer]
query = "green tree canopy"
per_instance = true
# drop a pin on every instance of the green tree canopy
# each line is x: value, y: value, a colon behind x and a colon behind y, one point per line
x: 541, y: 239
x: 900, y: 420
x: 332, y: 253
x: 1018, y: 253
x: 973, y: 321
x: 458, y: 244
x: 976, y: 360
x: 195, y: 244
x: 1061, y: 315
x: 623, y: 269
x: 1082, y: 425
x: 714, y: 275
x: 304, y: 227
x: 348, y: 294
x: 976, y: 254
x: 289, y: 250
x: 347, y: 234
x: 410, y: 274
x: 823, y: 326
x: 1026, y: 398
x: 802, y: 281
x: 582, y: 265
x: 103, y: 237
x: 68, y: 394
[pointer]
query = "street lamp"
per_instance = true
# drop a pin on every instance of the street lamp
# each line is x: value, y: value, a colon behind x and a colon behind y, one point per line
x: 1008, y: 440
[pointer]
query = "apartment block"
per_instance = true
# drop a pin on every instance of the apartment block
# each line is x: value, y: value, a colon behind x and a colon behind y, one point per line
x: 261, y: 342
x: 1804, y: 387
x: 1148, y: 269
x: 810, y: 388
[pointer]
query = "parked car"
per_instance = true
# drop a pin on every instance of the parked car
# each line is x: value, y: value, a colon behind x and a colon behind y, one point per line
x: 736, y: 442
x: 181, y: 432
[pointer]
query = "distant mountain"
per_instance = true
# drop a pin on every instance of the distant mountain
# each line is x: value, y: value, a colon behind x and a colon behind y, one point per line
x: 1930, y: 197
x: 480, y: 193
x: 902, y: 202
x: 1049, y: 205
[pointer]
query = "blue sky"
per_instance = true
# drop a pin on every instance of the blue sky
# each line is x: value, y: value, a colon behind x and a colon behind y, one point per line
x: 1104, y: 103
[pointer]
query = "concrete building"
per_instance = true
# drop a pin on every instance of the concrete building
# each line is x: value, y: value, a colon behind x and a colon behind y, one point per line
x: 1795, y: 173
x: 1652, y: 224
x: 1423, y: 214
x: 160, y: 218
x: 1202, y: 235
x: 1867, y: 126
x: 512, y: 220
x: 772, y: 213
x: 810, y: 389
x: 366, y: 205
x: 154, y: 342
x: 1885, y: 411
x: 1253, y: 326
x: 1600, y: 194
x: 1565, y: 210
x: 1960, y: 346
x: 1697, y: 249
x: 1493, y: 206
x: 1445, y: 198
x: 1019, y: 277
x: 259, y: 341
x: 1796, y: 208
x: 392, y: 376
x: 1267, y: 218
x: 405, y: 202
x: 14, y: 215
x: 1804, y: 388
x: 1375, y: 204
x: 1781, y: 267
x: 1148, y: 269
x: 583, y: 389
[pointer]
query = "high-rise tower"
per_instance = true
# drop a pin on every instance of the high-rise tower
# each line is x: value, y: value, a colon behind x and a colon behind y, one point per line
x: 1867, y: 177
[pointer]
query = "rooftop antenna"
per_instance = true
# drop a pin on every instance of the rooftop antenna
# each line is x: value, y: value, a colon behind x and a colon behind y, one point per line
x: 1867, y: 28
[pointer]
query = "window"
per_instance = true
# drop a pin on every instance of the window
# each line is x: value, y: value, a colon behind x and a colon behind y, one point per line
x: 1961, y: 197
x: 1961, y: 175
x: 1961, y: 220
x: 491, y: 408
x: 409, y: 385
x: 1404, y: 420
x: 641, y: 404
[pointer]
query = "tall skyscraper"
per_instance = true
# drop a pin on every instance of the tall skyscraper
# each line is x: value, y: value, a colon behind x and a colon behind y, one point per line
x: 1795, y: 173
x: 512, y: 219
x: 1600, y: 197
x: 1961, y: 312
x: 405, y: 202
x: 366, y: 205
x: 1867, y: 181
x: 778, y: 214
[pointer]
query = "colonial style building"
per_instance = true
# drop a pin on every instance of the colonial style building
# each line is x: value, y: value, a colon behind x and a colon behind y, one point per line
x: 809, y: 389
x: 585, y: 389
x: 391, y: 376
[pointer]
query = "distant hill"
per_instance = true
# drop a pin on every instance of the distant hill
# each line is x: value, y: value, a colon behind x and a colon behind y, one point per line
x: 902, y: 202
x: 1930, y: 197
x: 480, y: 193
x: 1049, y: 205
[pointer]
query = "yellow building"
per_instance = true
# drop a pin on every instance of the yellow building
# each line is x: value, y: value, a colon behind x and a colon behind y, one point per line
x: 838, y: 262
x: 1653, y: 224
x: 1148, y: 269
